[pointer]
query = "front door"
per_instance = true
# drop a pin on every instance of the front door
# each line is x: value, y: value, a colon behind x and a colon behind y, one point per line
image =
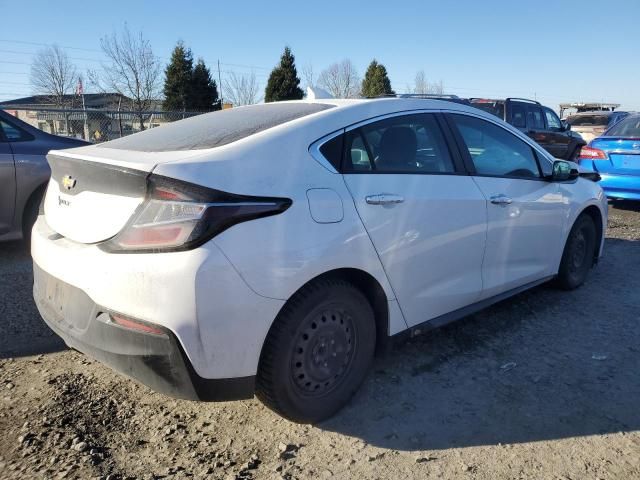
x: 7, y: 183
x: 526, y: 213
x: 425, y: 217
x: 559, y: 140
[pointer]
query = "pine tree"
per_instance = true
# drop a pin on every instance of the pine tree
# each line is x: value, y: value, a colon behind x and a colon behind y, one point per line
x: 204, y: 91
x: 177, y: 82
x: 283, y: 83
x: 376, y: 82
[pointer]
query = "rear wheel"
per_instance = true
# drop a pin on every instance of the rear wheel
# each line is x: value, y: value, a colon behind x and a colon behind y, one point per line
x: 578, y: 254
x: 317, y: 352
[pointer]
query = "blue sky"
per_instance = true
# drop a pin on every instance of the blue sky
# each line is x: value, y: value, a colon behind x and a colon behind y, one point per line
x: 552, y: 50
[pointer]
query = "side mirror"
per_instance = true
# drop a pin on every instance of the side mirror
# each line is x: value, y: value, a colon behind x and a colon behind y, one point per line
x: 563, y: 172
x: 565, y: 125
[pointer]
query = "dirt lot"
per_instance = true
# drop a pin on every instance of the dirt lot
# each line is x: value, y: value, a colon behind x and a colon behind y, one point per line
x: 544, y: 385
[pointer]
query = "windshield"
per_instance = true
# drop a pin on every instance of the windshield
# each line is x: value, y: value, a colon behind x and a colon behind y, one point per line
x: 588, y: 120
x: 494, y: 108
x: 629, y: 127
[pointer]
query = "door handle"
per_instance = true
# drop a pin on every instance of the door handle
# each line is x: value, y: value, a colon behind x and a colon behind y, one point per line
x: 501, y: 200
x: 384, y: 199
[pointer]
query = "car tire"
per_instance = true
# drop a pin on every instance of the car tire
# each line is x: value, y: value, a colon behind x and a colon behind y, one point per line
x: 578, y: 254
x: 317, y: 352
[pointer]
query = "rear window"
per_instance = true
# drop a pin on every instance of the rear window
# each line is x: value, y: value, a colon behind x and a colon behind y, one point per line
x: 588, y: 120
x: 494, y: 108
x: 216, y: 128
x: 629, y: 127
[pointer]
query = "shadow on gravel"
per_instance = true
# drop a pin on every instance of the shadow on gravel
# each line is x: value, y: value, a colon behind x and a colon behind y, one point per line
x: 543, y: 365
x: 22, y: 330
x: 628, y: 205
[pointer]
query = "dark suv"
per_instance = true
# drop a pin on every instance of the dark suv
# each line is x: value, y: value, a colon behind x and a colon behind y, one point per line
x: 538, y: 122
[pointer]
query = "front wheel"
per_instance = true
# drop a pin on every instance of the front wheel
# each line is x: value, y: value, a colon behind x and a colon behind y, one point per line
x: 578, y: 254
x: 317, y: 352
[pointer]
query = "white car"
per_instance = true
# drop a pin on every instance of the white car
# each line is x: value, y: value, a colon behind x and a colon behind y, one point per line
x: 271, y: 249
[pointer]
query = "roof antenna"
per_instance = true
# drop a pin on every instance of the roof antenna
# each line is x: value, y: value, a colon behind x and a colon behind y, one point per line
x: 314, y: 93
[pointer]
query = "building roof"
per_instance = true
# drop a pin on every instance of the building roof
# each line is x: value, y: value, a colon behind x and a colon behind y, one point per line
x: 91, y: 100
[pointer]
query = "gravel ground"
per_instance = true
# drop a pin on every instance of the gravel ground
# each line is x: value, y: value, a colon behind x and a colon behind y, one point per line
x: 544, y: 385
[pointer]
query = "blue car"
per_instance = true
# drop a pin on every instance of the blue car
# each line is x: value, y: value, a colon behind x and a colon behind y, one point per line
x: 616, y: 157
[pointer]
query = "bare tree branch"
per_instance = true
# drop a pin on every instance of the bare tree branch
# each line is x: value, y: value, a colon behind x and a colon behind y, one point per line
x: 242, y: 89
x: 341, y: 80
x: 53, y: 74
x: 133, y: 71
x: 422, y: 86
x: 307, y: 75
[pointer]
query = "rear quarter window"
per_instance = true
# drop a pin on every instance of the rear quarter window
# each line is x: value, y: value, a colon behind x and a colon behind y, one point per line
x: 629, y: 127
x: 216, y: 128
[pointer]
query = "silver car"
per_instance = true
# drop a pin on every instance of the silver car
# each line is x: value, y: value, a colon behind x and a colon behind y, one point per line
x: 24, y: 173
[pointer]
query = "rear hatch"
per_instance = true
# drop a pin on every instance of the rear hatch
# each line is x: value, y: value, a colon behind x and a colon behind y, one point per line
x: 623, y: 153
x: 94, y: 191
x: 589, y: 126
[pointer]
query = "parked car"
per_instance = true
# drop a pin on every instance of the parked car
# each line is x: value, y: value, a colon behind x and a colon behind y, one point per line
x: 273, y: 248
x: 593, y: 124
x: 616, y: 157
x: 24, y: 173
x: 538, y: 122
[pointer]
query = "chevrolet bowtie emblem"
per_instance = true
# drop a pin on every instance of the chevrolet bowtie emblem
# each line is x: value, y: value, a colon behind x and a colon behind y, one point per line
x: 68, y: 182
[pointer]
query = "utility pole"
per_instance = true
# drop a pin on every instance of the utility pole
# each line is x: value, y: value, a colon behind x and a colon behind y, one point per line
x: 220, y: 86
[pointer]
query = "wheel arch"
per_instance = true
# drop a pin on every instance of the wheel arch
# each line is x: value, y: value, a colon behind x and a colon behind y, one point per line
x: 596, y: 215
x: 370, y: 288
x: 36, y: 194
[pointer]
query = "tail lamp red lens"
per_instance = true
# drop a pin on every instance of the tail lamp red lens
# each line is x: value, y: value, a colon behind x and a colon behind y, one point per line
x: 590, y: 153
x: 177, y: 215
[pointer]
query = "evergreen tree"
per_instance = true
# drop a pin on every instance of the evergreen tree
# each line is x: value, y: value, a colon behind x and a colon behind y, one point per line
x: 376, y: 82
x: 177, y: 82
x: 204, y: 91
x: 283, y: 83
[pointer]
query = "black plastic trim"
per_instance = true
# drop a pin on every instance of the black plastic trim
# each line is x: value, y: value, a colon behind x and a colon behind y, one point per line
x: 468, y: 310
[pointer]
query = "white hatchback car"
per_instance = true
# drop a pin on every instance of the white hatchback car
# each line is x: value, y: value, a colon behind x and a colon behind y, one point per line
x: 271, y: 249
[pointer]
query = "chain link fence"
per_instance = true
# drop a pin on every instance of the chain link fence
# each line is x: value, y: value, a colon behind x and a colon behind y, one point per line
x: 94, y: 125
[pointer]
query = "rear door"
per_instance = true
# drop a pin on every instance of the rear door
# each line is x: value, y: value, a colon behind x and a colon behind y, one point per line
x: 525, y: 213
x: 7, y: 179
x: 424, y: 215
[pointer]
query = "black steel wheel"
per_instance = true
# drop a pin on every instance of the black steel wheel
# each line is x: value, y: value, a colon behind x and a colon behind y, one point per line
x: 579, y: 253
x: 317, y: 352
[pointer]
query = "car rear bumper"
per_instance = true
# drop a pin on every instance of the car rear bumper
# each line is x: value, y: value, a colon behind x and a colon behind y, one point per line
x: 154, y: 359
x: 211, y: 316
x: 626, y: 187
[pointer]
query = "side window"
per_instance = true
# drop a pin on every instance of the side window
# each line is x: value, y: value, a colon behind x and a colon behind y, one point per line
x: 534, y: 118
x: 332, y: 151
x: 357, y: 156
x: 13, y: 134
x: 495, y: 151
x: 406, y: 144
x: 552, y: 119
x: 518, y: 115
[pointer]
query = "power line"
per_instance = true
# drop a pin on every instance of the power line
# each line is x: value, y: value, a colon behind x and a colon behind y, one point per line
x: 49, y: 45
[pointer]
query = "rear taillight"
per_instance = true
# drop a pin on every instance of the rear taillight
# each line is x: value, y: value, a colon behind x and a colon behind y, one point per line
x: 178, y: 215
x: 590, y: 153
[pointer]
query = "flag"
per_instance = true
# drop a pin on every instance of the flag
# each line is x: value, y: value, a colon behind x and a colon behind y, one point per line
x: 79, y: 89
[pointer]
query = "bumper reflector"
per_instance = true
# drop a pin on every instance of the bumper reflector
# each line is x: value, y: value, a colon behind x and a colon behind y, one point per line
x: 136, y: 325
